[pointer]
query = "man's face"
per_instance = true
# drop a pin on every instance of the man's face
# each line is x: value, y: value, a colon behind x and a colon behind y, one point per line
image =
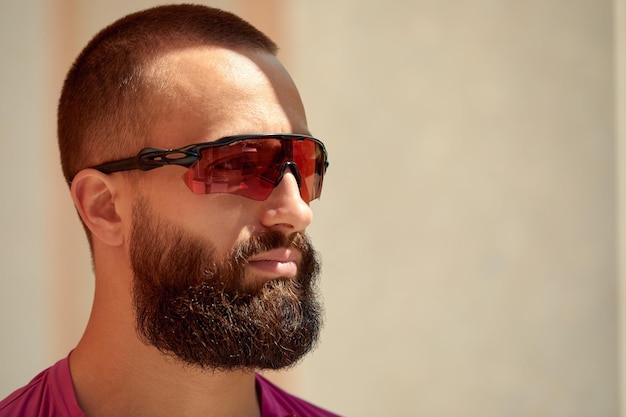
x: 223, y: 281
x: 197, y: 307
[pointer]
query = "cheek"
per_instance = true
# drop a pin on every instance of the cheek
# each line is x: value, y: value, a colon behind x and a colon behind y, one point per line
x: 225, y: 219
x: 222, y: 219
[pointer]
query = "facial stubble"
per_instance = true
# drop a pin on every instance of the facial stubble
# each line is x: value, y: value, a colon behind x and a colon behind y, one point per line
x: 193, y: 306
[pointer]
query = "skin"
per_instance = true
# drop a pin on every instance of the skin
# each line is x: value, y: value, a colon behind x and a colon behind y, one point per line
x: 210, y: 92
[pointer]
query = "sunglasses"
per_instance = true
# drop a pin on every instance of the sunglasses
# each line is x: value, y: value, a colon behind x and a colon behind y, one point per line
x: 246, y: 165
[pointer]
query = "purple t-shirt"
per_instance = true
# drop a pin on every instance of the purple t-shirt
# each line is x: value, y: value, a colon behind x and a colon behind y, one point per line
x: 51, y: 394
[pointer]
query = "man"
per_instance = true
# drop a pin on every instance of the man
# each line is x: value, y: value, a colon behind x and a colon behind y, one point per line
x: 188, y: 155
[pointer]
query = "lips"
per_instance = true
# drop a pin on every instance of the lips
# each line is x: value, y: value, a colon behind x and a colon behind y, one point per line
x: 281, y: 262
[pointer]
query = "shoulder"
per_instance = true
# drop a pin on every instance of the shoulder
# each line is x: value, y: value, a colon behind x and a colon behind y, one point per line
x: 275, y: 402
x: 28, y: 400
x: 49, y: 394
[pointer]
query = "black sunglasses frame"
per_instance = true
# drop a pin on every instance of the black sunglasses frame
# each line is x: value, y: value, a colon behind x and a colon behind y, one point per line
x: 187, y: 156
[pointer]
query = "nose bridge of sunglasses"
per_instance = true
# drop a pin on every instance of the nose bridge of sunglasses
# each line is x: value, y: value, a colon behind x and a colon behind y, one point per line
x: 294, y: 170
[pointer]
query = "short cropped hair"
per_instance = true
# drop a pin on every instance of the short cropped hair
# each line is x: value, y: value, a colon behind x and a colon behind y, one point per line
x: 105, y: 108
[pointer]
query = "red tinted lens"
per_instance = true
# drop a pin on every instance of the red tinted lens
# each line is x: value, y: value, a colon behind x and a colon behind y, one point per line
x: 310, y: 159
x: 252, y: 167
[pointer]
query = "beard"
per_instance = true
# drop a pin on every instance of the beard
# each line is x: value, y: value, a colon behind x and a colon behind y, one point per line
x: 197, y: 308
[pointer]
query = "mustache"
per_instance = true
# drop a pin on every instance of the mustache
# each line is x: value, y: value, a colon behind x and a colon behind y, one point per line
x: 266, y: 241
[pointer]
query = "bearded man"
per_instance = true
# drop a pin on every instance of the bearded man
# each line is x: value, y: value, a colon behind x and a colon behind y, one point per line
x: 190, y: 163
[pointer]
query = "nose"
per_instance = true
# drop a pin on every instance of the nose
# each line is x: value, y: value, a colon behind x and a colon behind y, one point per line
x: 284, y: 210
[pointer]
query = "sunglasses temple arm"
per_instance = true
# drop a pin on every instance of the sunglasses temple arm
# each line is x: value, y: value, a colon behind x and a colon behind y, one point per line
x: 116, y: 166
x: 122, y: 165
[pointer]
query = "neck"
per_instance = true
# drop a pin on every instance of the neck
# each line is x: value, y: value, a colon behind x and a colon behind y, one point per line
x: 115, y: 374
x: 116, y: 380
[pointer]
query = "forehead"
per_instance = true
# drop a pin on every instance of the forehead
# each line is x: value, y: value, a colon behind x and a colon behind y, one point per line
x: 205, y: 93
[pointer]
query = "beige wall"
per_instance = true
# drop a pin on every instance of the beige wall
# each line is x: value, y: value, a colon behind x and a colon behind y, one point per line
x: 620, y: 111
x: 22, y: 246
x: 470, y: 206
x: 469, y: 222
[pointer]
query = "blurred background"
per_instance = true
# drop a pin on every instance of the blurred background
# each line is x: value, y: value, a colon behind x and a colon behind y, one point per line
x: 471, y: 221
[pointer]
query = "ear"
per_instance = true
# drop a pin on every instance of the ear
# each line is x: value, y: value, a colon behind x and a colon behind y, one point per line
x: 94, y: 196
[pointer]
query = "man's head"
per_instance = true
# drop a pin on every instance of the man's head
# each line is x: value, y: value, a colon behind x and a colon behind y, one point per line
x: 222, y: 277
